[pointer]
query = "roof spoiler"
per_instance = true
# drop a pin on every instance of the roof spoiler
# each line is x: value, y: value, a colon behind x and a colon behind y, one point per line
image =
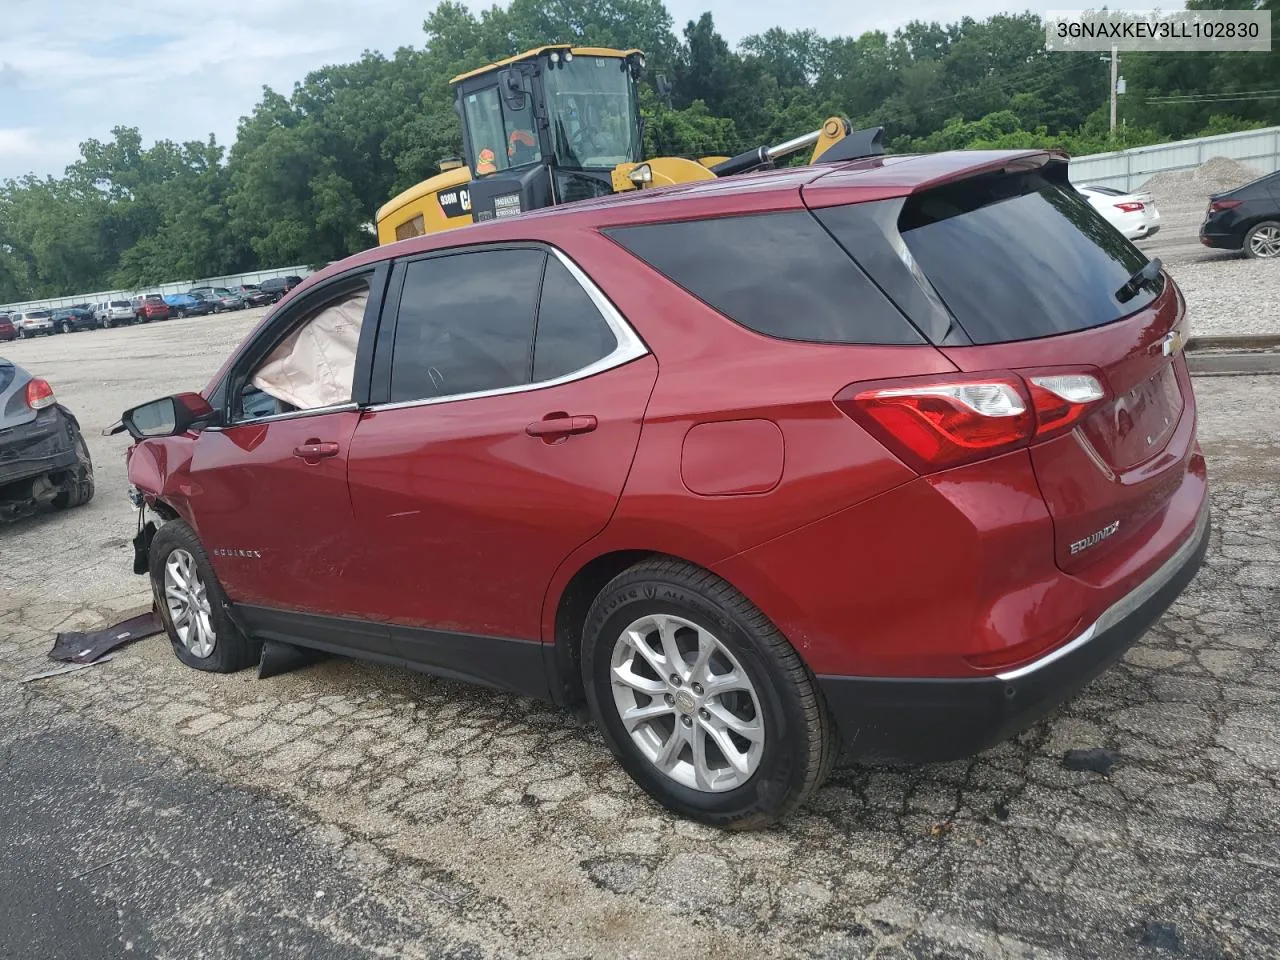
x: 858, y: 145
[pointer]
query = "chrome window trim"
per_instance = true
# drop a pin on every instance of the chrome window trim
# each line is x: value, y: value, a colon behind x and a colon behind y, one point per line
x: 290, y: 415
x: 629, y: 347
x: 1126, y: 604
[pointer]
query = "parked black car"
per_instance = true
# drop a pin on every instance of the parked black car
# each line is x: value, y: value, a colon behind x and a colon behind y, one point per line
x: 253, y: 295
x: 1246, y: 218
x: 277, y: 287
x: 71, y: 319
x: 44, y: 460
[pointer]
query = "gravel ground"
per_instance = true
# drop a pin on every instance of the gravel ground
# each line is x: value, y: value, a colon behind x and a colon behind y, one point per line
x: 502, y: 827
x: 1227, y: 293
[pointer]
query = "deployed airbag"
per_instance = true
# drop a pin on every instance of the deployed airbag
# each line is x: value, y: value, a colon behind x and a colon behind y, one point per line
x: 314, y: 366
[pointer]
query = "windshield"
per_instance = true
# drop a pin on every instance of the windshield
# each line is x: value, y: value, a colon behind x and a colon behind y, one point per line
x: 593, y: 112
x: 500, y: 136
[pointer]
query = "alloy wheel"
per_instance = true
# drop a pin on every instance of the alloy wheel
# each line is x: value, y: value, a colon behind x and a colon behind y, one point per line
x: 1265, y: 242
x: 687, y: 703
x: 187, y: 600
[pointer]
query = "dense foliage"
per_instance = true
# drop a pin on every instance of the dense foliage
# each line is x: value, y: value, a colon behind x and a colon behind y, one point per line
x: 307, y: 171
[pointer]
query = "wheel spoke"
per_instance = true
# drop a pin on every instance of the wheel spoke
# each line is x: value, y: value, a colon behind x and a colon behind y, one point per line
x: 635, y: 716
x: 640, y: 644
x: 719, y: 684
x: 701, y: 769
x: 751, y: 730
x: 737, y: 759
x: 670, y: 752
x: 626, y: 675
x: 706, y: 648
x: 670, y: 649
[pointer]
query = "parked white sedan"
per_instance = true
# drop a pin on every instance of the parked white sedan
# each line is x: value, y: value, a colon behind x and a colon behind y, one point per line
x: 1133, y: 214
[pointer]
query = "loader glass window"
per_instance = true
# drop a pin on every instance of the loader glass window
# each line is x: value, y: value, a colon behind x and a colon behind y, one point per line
x: 593, y: 112
x: 500, y: 136
x: 779, y: 274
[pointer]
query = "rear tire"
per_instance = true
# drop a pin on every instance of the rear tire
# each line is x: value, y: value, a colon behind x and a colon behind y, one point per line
x: 193, y: 606
x: 769, y: 713
x: 81, y: 490
x: 1263, y: 241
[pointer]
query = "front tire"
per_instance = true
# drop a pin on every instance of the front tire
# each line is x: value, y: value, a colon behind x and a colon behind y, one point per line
x: 702, y: 700
x: 193, y: 605
x: 1263, y: 241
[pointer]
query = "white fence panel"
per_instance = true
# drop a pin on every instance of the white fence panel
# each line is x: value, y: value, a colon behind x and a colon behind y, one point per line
x: 1129, y: 169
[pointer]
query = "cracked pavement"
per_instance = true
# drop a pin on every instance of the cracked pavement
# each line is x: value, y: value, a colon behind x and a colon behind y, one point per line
x: 460, y: 821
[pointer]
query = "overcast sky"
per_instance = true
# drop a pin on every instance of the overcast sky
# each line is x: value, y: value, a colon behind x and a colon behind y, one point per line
x: 182, y: 69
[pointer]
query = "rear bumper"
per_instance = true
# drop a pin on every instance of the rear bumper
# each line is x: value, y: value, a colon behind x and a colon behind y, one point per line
x: 944, y: 719
x: 33, y: 449
x: 1222, y: 241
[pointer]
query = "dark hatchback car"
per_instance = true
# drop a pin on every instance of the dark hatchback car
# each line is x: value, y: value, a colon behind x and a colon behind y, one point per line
x: 73, y: 319
x: 253, y: 295
x: 277, y: 287
x: 895, y: 453
x: 43, y: 457
x: 1246, y: 218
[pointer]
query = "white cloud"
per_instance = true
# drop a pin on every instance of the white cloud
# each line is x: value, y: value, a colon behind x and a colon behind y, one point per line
x: 181, y: 69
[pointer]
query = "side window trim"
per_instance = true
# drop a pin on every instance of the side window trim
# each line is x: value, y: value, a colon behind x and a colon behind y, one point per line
x: 224, y: 395
x: 629, y: 347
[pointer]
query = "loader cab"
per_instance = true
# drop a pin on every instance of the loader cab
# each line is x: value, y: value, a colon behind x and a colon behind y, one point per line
x: 548, y: 127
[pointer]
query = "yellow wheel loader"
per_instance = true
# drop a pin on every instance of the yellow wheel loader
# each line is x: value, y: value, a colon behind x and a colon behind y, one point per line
x: 562, y: 123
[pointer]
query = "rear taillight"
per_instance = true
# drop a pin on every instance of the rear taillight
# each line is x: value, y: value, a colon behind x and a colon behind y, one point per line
x: 39, y: 394
x: 939, y: 422
x: 943, y: 422
x: 1131, y: 206
x: 1217, y: 206
x: 1062, y: 400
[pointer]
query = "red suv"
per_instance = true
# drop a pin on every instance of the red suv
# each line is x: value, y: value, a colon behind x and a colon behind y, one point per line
x: 150, y: 307
x: 895, y: 454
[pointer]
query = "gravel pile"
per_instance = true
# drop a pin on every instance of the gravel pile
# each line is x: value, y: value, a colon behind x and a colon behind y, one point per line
x: 1199, y: 183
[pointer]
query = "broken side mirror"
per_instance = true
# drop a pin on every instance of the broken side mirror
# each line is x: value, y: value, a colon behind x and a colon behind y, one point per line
x: 167, y: 417
x: 511, y: 86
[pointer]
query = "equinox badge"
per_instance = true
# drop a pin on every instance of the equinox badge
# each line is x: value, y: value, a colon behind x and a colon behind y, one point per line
x: 1095, y: 538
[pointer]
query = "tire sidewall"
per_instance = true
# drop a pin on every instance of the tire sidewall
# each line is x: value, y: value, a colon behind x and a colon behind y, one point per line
x: 777, y: 774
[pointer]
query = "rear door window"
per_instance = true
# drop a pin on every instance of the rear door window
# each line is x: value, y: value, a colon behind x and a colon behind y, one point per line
x: 1013, y: 256
x: 465, y: 324
x: 779, y: 274
x: 572, y: 334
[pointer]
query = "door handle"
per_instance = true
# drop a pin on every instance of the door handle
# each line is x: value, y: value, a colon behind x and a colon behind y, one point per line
x: 554, y: 426
x: 313, y: 451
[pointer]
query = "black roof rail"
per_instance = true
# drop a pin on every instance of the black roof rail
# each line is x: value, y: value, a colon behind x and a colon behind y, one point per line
x: 856, y: 146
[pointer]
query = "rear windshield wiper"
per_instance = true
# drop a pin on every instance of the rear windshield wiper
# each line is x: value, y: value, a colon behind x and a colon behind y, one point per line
x: 1148, y: 275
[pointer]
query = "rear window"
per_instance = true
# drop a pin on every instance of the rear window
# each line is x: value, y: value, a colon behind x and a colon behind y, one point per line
x: 6, y: 369
x: 39, y: 315
x: 154, y: 298
x: 779, y: 274
x: 120, y: 303
x: 1010, y: 256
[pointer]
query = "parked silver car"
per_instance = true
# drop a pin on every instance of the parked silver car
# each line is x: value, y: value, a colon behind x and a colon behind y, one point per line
x: 33, y: 323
